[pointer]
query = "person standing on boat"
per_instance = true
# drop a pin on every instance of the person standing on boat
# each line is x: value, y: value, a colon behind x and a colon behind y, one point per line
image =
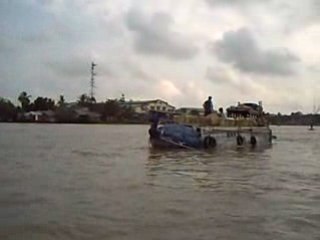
x: 221, y: 113
x: 208, y: 106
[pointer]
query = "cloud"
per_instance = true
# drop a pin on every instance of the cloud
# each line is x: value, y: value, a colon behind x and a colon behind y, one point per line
x: 46, y: 2
x: 290, y: 14
x: 155, y: 36
x: 47, y: 46
x: 219, y: 75
x: 131, y: 68
x: 76, y: 68
x: 240, y: 49
x: 228, y: 78
x: 6, y: 45
x: 168, y: 88
x: 245, y: 7
x: 214, y: 3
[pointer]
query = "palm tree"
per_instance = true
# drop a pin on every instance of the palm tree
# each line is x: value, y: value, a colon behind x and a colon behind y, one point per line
x: 61, y: 101
x: 84, y: 100
x: 24, y: 99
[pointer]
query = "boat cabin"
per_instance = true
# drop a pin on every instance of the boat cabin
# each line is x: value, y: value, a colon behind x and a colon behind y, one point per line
x: 245, y: 110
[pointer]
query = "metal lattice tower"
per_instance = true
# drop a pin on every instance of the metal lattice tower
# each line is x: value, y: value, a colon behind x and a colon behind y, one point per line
x: 92, y: 84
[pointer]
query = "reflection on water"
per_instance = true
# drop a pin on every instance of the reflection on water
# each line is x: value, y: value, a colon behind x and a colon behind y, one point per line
x: 104, y: 182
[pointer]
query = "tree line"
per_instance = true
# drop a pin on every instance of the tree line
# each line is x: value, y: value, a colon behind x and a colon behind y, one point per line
x: 112, y: 110
x: 295, y: 118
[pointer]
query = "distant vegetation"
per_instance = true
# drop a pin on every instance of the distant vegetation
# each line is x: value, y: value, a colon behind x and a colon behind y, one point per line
x: 84, y: 109
x: 296, y: 118
x: 8, y: 112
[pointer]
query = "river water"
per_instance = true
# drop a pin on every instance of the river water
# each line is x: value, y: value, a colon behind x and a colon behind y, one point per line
x: 104, y: 182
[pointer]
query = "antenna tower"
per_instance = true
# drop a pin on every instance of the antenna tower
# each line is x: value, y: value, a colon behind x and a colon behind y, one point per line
x: 92, y: 85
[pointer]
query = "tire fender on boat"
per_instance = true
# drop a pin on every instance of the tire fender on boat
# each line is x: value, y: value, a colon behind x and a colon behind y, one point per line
x: 253, y: 141
x: 209, y: 142
x: 240, y: 140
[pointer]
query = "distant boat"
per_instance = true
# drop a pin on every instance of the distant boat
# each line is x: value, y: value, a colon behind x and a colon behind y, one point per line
x: 311, y: 127
x: 316, y: 109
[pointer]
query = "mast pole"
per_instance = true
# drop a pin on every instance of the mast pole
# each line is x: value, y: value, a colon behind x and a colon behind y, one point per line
x: 92, y: 83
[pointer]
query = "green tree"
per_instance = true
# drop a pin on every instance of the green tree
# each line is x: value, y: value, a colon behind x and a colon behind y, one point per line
x: 84, y: 100
x: 112, y: 108
x: 43, y: 104
x: 61, y: 102
x: 92, y: 100
x: 24, y: 99
x: 8, y: 112
x: 127, y: 113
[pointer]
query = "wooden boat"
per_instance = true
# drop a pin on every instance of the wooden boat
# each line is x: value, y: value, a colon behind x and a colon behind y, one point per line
x: 244, y: 125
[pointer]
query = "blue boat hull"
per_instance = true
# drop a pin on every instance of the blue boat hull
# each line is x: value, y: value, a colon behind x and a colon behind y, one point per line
x: 189, y: 137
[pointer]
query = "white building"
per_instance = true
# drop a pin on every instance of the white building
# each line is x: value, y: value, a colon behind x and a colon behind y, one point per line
x: 150, y: 105
x: 40, y: 116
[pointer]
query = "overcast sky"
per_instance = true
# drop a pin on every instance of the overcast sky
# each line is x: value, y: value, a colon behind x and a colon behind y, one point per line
x: 180, y: 51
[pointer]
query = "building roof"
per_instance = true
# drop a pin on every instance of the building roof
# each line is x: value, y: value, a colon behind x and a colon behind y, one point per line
x: 142, y: 102
x: 145, y: 101
x: 40, y: 112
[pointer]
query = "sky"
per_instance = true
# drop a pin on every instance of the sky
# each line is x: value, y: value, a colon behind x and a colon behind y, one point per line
x: 179, y: 51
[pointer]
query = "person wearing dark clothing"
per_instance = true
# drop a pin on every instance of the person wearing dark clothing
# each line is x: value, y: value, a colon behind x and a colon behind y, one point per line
x: 154, y: 119
x: 221, y: 113
x: 208, y: 106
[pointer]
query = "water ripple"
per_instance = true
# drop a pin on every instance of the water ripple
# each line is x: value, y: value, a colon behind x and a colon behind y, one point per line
x: 82, y: 182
